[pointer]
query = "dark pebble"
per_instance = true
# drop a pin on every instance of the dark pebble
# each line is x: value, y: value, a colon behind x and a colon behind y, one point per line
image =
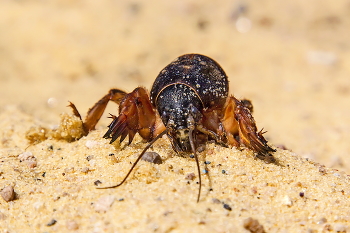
x: 51, y: 223
x: 152, y: 157
x: 97, y: 182
x: 253, y: 225
x: 226, y: 206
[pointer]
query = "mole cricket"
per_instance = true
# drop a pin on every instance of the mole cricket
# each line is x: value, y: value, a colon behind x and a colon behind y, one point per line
x: 190, y: 103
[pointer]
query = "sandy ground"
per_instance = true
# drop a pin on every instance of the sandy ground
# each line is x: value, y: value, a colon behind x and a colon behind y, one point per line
x: 291, y: 58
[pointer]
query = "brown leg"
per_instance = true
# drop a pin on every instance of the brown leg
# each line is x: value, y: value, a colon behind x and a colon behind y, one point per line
x: 212, y: 126
x: 237, y: 120
x: 94, y: 114
x: 136, y: 115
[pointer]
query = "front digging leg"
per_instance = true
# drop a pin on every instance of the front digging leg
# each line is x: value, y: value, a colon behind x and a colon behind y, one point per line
x: 136, y: 115
x: 238, y: 120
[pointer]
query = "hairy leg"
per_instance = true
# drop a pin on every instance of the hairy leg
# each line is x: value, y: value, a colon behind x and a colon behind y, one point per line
x: 238, y: 120
x: 94, y: 114
x: 136, y: 115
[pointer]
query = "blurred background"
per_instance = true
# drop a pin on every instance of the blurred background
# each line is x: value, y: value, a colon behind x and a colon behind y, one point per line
x: 291, y: 58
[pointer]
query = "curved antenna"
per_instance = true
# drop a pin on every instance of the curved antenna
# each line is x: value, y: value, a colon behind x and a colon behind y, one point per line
x: 137, y: 160
x: 198, y: 168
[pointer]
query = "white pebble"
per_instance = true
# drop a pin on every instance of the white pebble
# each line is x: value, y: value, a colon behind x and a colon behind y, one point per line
x: 338, y: 227
x: 39, y: 205
x: 52, y: 102
x: 243, y: 24
x: 72, y: 225
x: 91, y: 144
x: 287, y: 201
x: 26, y: 156
x: 104, y: 203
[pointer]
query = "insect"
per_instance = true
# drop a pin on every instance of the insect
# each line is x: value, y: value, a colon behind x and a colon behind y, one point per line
x: 190, y: 103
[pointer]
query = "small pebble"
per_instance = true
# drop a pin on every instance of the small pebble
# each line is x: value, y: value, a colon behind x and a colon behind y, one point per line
x: 97, y: 182
x: 327, y: 227
x: 31, y: 163
x: 152, y: 157
x: 216, y: 201
x: 322, y: 221
x: 52, y: 102
x: 85, y: 170
x: 72, y: 225
x: 338, y: 227
x: 207, y: 162
x: 322, y: 170
x: 287, y: 201
x: 254, y: 190
x: 253, y: 226
x: 226, y: 206
x: 39, y: 206
x: 190, y: 176
x: 281, y: 146
x: 8, y: 193
x: 51, y: 223
x: 104, y: 203
x: 243, y: 24
x: 26, y: 156
x: 91, y: 144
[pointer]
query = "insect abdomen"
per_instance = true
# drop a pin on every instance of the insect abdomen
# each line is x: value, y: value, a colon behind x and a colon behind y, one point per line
x: 201, y: 73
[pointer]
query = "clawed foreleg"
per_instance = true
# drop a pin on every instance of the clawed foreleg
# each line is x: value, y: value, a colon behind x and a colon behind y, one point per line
x: 136, y: 115
x: 239, y: 121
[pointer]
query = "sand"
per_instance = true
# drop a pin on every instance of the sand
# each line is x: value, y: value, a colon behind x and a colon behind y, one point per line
x: 290, y: 59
